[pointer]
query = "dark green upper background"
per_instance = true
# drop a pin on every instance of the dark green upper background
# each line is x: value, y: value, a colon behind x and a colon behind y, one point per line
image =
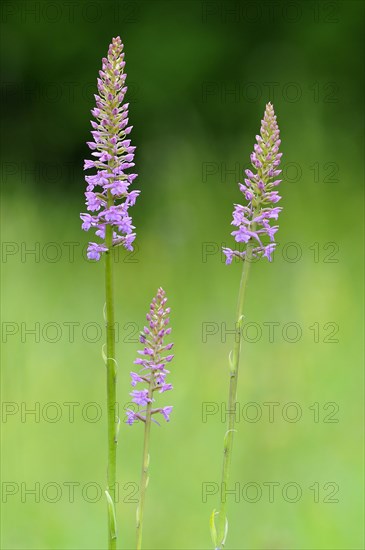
x: 199, y: 75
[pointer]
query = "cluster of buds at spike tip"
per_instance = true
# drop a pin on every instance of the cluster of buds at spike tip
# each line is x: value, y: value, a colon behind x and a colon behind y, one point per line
x: 107, y: 193
x: 154, y: 358
x: 259, y: 189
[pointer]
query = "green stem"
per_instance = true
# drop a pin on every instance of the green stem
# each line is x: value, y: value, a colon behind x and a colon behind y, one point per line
x: 145, y: 464
x: 111, y: 383
x: 234, y: 364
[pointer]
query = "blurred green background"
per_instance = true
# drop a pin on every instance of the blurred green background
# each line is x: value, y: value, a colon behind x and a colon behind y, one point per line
x: 199, y: 75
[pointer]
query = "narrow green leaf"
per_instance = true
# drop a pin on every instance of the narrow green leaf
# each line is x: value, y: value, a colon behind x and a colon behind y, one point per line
x: 225, y: 532
x: 138, y: 518
x: 104, y: 356
x: 111, y: 516
x: 213, y: 530
x: 230, y: 359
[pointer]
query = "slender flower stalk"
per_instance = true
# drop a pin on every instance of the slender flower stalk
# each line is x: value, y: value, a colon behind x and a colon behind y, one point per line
x: 108, y: 199
x: 253, y: 223
x: 153, y: 376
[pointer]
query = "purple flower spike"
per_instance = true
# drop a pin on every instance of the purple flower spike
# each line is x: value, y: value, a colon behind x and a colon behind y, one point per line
x: 107, y: 193
x: 141, y: 397
x: 260, y: 191
x: 131, y: 417
x: 166, y: 411
x: 152, y: 362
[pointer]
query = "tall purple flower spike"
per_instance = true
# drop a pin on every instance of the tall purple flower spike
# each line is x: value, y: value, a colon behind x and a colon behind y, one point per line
x: 107, y: 193
x: 153, y: 362
x: 259, y: 189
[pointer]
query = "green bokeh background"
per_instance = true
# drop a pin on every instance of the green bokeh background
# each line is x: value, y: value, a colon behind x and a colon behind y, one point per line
x: 199, y: 76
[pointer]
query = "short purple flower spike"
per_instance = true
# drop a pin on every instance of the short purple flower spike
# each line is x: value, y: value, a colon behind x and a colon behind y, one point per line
x: 107, y: 193
x: 253, y: 220
x: 153, y: 361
